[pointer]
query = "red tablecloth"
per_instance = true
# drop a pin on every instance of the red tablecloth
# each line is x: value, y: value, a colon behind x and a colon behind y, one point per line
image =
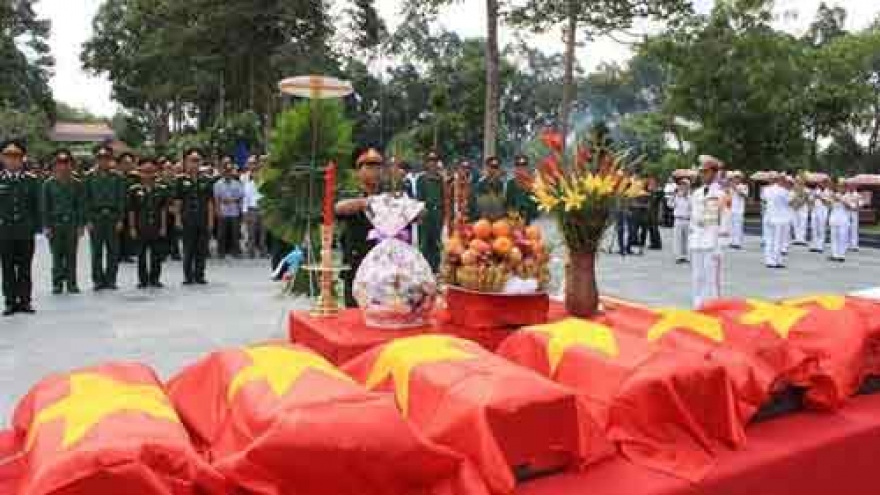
x: 804, y: 454
x: 346, y: 336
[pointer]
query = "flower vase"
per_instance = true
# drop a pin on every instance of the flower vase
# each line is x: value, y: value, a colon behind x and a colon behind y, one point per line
x: 581, y: 290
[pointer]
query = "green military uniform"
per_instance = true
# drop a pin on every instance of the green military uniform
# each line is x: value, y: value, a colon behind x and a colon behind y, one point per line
x: 195, y: 195
x: 353, y: 239
x: 105, y: 210
x: 63, y: 203
x: 172, y: 235
x: 430, y: 189
x: 128, y: 247
x: 148, y: 205
x: 490, y: 197
x: 19, y: 222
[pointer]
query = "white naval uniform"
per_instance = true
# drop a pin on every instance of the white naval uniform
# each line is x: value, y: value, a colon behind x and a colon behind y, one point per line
x: 855, y: 202
x: 801, y: 220
x: 738, y: 214
x: 788, y: 234
x: 681, y: 211
x: 779, y: 217
x: 765, y: 219
x: 839, y: 220
x: 819, y: 220
x: 709, y: 233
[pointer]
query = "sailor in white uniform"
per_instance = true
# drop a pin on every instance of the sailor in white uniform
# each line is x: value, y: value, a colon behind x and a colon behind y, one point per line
x: 709, y: 231
x: 838, y: 220
x: 739, y: 193
x: 681, y: 212
x: 821, y: 200
x: 777, y: 198
x: 854, y: 200
x: 800, y: 205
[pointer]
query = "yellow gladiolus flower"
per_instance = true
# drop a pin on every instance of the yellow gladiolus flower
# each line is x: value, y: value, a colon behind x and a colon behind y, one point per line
x: 573, y: 199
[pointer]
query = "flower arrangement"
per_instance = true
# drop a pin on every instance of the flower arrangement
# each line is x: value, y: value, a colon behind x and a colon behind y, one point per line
x: 580, y: 192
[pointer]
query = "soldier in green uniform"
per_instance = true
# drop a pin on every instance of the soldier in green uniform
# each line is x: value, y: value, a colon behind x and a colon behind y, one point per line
x: 126, y: 165
x: 147, y: 220
x: 353, y: 222
x: 63, y: 203
x: 519, y: 198
x: 431, y: 190
x: 19, y: 223
x: 105, y: 210
x: 168, y: 178
x: 490, y: 193
x: 194, y: 207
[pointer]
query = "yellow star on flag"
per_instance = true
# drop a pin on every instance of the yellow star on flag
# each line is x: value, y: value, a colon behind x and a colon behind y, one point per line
x: 280, y: 367
x: 93, y: 397
x: 401, y: 356
x: 826, y: 301
x: 691, y: 321
x: 575, y: 332
x: 780, y: 318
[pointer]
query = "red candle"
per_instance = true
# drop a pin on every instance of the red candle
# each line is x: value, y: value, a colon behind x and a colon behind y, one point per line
x: 329, y: 193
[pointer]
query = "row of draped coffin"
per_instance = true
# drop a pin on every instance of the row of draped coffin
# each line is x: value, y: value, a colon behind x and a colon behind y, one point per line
x: 666, y: 389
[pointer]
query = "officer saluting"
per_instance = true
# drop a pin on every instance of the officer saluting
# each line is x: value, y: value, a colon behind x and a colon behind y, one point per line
x: 105, y: 210
x: 709, y: 226
x: 194, y: 206
x: 63, y: 221
x: 19, y: 222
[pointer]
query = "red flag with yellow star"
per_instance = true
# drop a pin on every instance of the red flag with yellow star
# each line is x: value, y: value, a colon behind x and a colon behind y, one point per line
x: 503, y: 417
x: 667, y: 410
x: 839, y: 332
x: 757, y: 367
x: 278, y: 418
x: 98, y: 429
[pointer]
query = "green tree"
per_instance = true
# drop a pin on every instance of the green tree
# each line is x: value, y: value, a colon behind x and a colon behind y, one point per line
x: 24, y: 80
x: 593, y: 18
x: 30, y: 124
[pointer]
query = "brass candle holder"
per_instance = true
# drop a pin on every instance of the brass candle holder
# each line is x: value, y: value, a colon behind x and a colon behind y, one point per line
x: 326, y: 304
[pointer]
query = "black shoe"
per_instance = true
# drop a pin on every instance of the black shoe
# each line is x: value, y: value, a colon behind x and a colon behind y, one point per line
x: 73, y: 290
x: 680, y: 261
x: 157, y: 284
x: 57, y: 290
x: 815, y: 250
x: 9, y: 311
x: 27, y: 309
x: 111, y: 287
x: 141, y: 285
x: 202, y: 281
x: 188, y: 282
x: 735, y: 247
x: 175, y: 257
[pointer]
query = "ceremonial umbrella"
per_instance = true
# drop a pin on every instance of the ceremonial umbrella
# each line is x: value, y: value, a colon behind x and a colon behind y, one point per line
x: 314, y: 87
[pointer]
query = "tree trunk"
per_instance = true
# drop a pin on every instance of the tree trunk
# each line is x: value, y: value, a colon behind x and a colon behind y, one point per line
x: 493, y: 83
x: 568, y: 78
x: 874, y: 140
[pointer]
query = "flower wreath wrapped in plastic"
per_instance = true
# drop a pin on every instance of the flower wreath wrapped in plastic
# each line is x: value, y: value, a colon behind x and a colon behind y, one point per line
x: 394, y: 286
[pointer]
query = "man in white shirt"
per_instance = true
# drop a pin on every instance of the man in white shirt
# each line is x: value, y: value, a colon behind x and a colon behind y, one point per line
x: 801, y: 211
x: 709, y: 231
x: 253, y: 221
x: 681, y: 212
x: 739, y: 193
x: 821, y: 200
x: 777, y: 199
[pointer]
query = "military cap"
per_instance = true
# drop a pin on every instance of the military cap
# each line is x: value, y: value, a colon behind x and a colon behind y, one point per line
x: 521, y: 161
x: 432, y: 156
x: 370, y: 156
x: 192, y: 151
x: 492, y: 161
x: 13, y: 146
x: 62, y: 155
x: 709, y: 162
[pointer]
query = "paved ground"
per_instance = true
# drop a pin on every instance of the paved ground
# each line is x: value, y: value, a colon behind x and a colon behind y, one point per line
x: 171, y: 327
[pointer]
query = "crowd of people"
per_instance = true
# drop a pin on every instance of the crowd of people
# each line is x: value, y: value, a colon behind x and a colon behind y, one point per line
x: 134, y: 210
x: 153, y: 209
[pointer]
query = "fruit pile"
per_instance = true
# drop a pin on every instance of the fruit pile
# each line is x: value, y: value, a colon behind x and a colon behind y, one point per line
x: 484, y: 256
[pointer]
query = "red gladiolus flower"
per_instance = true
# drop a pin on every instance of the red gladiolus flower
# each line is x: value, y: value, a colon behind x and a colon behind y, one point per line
x: 549, y: 168
x: 552, y: 140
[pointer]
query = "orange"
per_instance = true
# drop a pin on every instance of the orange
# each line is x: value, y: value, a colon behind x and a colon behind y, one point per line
x: 454, y: 246
x: 515, y: 255
x: 502, y: 246
x: 501, y: 228
x: 483, y: 229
